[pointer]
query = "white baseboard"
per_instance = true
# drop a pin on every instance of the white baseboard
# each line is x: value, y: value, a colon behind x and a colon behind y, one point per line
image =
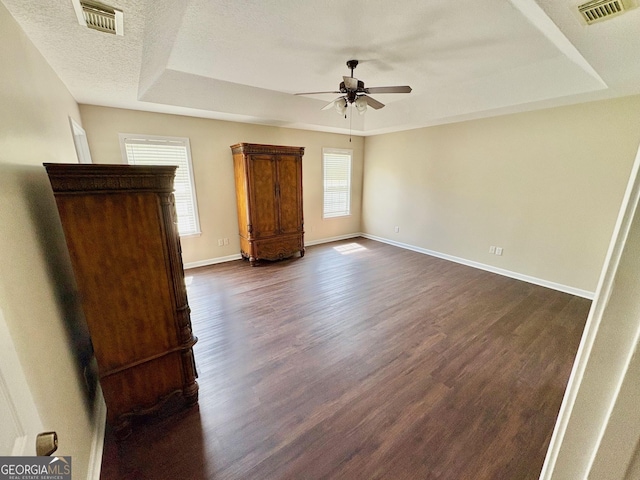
x: 489, y: 268
x: 470, y: 263
x: 97, y: 443
x: 212, y: 261
x: 332, y: 239
x: 237, y: 256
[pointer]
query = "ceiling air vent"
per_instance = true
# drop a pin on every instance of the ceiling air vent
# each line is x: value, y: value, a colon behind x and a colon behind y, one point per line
x: 598, y: 10
x: 99, y: 17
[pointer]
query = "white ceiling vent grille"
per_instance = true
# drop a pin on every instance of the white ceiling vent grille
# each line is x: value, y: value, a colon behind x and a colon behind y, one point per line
x: 99, y: 17
x: 598, y: 10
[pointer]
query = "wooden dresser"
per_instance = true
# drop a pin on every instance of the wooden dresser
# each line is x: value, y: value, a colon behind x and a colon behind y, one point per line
x: 269, y: 200
x: 119, y: 222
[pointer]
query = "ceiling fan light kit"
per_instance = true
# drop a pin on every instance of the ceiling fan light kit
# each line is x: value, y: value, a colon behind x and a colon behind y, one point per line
x: 361, y: 104
x: 353, y: 92
x: 340, y: 104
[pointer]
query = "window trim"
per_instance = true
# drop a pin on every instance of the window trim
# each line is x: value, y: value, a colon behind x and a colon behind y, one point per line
x: 80, y: 142
x: 158, y: 140
x: 339, y: 151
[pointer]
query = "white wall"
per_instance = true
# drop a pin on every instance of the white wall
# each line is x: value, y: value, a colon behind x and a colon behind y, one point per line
x: 213, y: 170
x: 37, y: 294
x: 545, y: 185
x: 598, y: 427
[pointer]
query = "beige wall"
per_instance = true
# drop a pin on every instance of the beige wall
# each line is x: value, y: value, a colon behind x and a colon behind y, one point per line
x: 213, y: 170
x: 36, y: 287
x: 598, y: 427
x: 546, y: 186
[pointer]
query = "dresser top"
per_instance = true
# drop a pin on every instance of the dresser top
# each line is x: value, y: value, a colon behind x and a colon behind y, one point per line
x: 257, y: 148
x: 78, y: 178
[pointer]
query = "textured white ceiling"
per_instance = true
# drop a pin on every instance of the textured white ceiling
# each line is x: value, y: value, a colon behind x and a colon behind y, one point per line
x: 243, y: 60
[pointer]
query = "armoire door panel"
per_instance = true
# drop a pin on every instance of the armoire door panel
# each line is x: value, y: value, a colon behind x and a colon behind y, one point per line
x: 108, y: 255
x: 289, y: 178
x: 263, y: 181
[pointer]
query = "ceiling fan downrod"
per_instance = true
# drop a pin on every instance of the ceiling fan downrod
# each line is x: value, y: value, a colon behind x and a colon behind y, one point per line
x: 352, y: 64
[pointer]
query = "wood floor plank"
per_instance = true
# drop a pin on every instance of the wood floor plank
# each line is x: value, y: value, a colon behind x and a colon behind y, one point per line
x: 365, y: 361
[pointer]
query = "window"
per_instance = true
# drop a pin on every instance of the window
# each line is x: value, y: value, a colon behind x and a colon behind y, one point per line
x: 153, y: 150
x: 337, y: 182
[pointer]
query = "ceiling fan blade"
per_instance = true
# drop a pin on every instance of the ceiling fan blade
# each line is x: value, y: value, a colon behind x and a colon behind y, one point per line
x: 315, y: 93
x: 396, y: 89
x: 372, y: 102
x: 350, y: 82
x: 332, y: 103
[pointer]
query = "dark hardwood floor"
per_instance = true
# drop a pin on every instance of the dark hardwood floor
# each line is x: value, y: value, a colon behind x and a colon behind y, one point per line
x: 363, y: 361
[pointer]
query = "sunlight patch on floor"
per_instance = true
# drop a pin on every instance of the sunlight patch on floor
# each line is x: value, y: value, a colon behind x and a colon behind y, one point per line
x: 349, y: 248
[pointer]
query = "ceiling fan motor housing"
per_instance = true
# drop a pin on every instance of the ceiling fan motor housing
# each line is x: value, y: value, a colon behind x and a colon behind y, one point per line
x: 344, y: 89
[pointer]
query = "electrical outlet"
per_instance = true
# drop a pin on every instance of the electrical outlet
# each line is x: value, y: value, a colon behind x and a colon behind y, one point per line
x: 492, y: 249
x: 220, y: 242
x: 226, y: 241
x: 498, y: 250
x: 397, y: 229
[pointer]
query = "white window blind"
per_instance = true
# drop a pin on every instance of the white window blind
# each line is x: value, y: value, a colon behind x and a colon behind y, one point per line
x: 337, y: 182
x: 153, y: 150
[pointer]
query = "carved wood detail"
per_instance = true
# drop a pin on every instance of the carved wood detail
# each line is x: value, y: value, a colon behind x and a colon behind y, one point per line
x: 259, y: 149
x: 66, y: 178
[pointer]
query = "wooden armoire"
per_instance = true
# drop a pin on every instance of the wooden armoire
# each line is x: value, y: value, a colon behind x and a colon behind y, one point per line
x: 269, y: 199
x: 119, y: 222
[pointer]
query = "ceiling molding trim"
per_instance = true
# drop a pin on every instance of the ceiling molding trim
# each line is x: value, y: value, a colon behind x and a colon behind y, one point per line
x: 539, y: 19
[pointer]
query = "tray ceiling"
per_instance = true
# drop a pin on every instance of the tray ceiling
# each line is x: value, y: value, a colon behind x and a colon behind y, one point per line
x: 243, y: 60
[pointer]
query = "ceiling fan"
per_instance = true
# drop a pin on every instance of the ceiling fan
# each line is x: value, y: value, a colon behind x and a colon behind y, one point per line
x: 353, y: 91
